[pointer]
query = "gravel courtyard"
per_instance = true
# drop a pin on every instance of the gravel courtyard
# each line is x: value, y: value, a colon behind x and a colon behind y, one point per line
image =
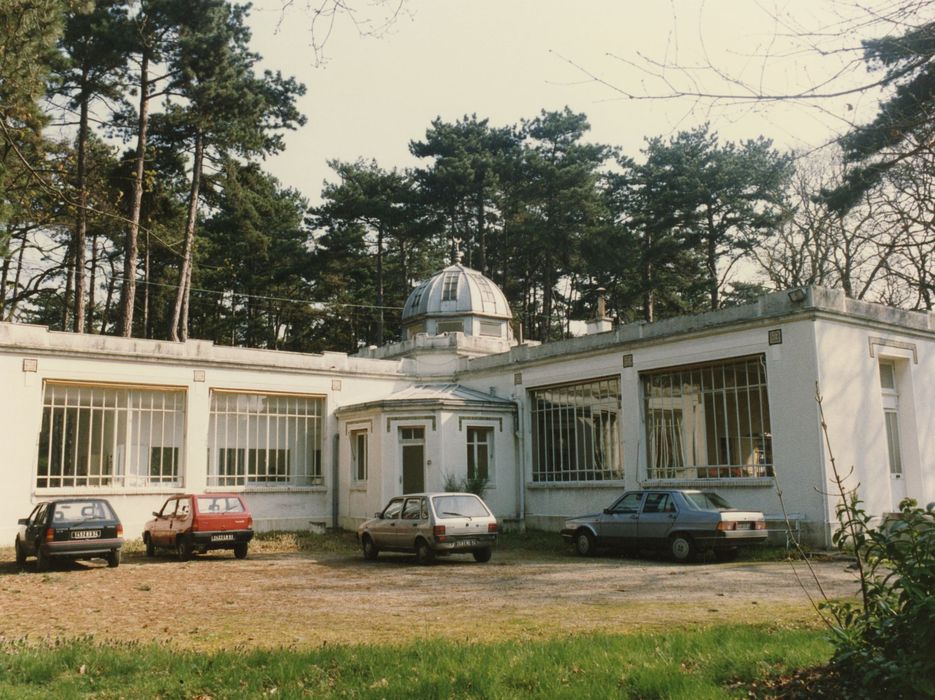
x: 302, y: 599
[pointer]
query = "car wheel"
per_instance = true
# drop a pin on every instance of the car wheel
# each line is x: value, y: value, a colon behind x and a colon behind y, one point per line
x: 371, y: 551
x: 584, y: 543
x: 682, y: 548
x: 113, y: 558
x: 42, y: 560
x: 728, y: 554
x: 183, y: 548
x: 424, y: 553
x: 482, y: 555
x: 150, y: 547
x: 20, y: 554
x: 240, y: 550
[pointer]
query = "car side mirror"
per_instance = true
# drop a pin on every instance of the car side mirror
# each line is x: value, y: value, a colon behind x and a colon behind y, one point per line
x: 607, y: 511
x: 23, y: 521
x: 157, y: 514
x: 378, y: 515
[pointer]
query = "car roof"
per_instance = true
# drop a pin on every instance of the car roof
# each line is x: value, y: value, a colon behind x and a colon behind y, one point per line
x: 437, y: 493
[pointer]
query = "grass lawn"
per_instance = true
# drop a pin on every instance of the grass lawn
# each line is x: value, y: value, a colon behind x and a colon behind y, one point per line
x: 718, y: 662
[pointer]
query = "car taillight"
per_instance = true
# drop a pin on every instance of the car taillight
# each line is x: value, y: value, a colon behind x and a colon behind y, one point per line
x: 249, y: 522
x: 726, y: 525
x: 491, y: 527
x: 439, y: 532
x: 195, y: 526
x: 119, y: 529
x: 760, y: 525
x: 50, y: 534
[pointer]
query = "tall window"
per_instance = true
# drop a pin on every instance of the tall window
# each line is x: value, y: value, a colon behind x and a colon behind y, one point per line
x: 708, y: 421
x: 359, y: 454
x: 479, y: 453
x: 891, y: 417
x: 450, y: 286
x: 100, y: 435
x: 264, y: 440
x: 575, y: 432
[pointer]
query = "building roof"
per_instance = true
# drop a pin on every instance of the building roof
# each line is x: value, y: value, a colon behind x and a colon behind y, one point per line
x: 456, y: 291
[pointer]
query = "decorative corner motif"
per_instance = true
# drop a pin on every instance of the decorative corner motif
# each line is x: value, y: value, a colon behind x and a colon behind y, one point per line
x: 30, y: 364
x: 775, y: 336
x: 628, y: 360
x: 198, y: 375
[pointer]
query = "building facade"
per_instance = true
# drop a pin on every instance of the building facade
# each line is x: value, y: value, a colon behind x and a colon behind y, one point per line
x: 724, y: 401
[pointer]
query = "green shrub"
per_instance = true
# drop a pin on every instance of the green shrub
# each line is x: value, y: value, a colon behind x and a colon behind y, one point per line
x: 885, y: 644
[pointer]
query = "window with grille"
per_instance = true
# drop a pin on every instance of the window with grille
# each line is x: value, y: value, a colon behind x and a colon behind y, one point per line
x: 575, y: 432
x: 490, y: 328
x: 708, y: 421
x: 450, y: 327
x: 264, y: 440
x: 450, y: 286
x: 106, y: 435
x: 488, y: 300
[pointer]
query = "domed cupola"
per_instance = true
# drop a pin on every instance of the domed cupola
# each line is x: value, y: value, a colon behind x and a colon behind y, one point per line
x: 457, y: 299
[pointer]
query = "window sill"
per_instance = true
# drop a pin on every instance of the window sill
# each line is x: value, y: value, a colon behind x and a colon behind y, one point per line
x: 604, y: 484
x: 726, y: 482
x: 255, y: 488
x: 52, y: 491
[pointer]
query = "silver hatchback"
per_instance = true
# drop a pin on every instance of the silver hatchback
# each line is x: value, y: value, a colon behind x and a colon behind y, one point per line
x: 430, y: 525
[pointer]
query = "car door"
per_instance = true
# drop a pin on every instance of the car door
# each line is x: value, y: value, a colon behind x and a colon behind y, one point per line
x: 413, y: 520
x: 618, y: 524
x: 384, y: 531
x: 181, y: 520
x: 35, y: 527
x: 656, y: 519
x: 161, y: 532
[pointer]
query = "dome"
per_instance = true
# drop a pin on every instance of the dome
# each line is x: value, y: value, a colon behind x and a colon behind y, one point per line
x: 457, y: 299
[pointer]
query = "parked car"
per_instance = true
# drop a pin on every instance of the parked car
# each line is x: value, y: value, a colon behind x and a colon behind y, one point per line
x: 197, y: 523
x: 68, y: 529
x: 683, y: 521
x: 430, y: 525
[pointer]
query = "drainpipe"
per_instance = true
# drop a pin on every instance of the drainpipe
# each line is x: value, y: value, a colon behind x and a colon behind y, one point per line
x: 334, y: 481
x: 520, y: 432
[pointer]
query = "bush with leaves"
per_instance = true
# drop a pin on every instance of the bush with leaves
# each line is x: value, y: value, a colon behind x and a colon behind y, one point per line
x: 470, y: 484
x: 885, y: 643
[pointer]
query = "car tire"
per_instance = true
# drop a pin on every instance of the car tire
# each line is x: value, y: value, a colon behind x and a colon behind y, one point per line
x: 726, y: 554
x: 424, y: 554
x: 682, y: 547
x: 42, y: 560
x: 183, y: 547
x: 240, y: 550
x: 113, y: 558
x: 150, y: 547
x: 585, y: 544
x: 482, y: 555
x: 20, y: 554
x: 371, y: 551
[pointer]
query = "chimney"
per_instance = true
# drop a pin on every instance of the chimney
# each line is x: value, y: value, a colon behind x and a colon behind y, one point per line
x: 601, y: 323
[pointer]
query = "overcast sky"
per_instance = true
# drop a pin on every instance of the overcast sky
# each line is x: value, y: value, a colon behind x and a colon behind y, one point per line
x: 508, y: 59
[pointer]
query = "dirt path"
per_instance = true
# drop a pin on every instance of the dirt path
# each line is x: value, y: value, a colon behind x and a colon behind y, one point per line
x: 307, y: 600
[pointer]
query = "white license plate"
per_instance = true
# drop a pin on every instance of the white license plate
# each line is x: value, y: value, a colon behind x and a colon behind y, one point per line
x: 85, y: 534
x: 467, y: 543
x: 744, y: 526
x: 222, y: 538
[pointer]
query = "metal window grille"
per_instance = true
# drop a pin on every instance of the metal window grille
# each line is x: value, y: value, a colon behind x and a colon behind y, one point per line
x: 450, y: 286
x: 116, y: 436
x: 575, y: 432
x: 708, y: 421
x: 479, y: 452
x: 264, y: 439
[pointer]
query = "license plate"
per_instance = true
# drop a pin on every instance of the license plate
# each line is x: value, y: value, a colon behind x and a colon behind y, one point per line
x: 222, y: 538
x: 744, y: 526
x: 467, y: 543
x: 85, y: 534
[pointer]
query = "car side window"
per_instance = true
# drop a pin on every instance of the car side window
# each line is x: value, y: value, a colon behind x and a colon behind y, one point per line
x: 658, y: 503
x: 38, y: 515
x: 630, y: 503
x: 413, y: 509
x: 169, y: 508
x: 425, y: 509
x: 184, y: 508
x: 392, y: 510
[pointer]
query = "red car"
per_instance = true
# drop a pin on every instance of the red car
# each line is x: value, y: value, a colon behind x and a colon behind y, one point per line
x: 198, y: 523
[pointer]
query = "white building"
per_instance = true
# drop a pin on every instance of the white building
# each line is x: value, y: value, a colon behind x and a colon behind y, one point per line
x: 723, y: 400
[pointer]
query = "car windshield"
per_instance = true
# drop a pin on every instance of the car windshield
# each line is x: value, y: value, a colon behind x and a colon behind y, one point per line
x: 218, y: 505
x: 81, y: 511
x: 708, y: 501
x: 459, y: 507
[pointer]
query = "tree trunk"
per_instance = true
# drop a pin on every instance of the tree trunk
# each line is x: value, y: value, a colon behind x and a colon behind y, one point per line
x: 69, y: 282
x: 131, y: 252
x: 92, y: 283
x: 109, y: 300
x: 379, y: 333
x: 481, y: 233
x: 146, y: 329
x: 81, y: 225
x: 180, y: 310
x: 711, y: 261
